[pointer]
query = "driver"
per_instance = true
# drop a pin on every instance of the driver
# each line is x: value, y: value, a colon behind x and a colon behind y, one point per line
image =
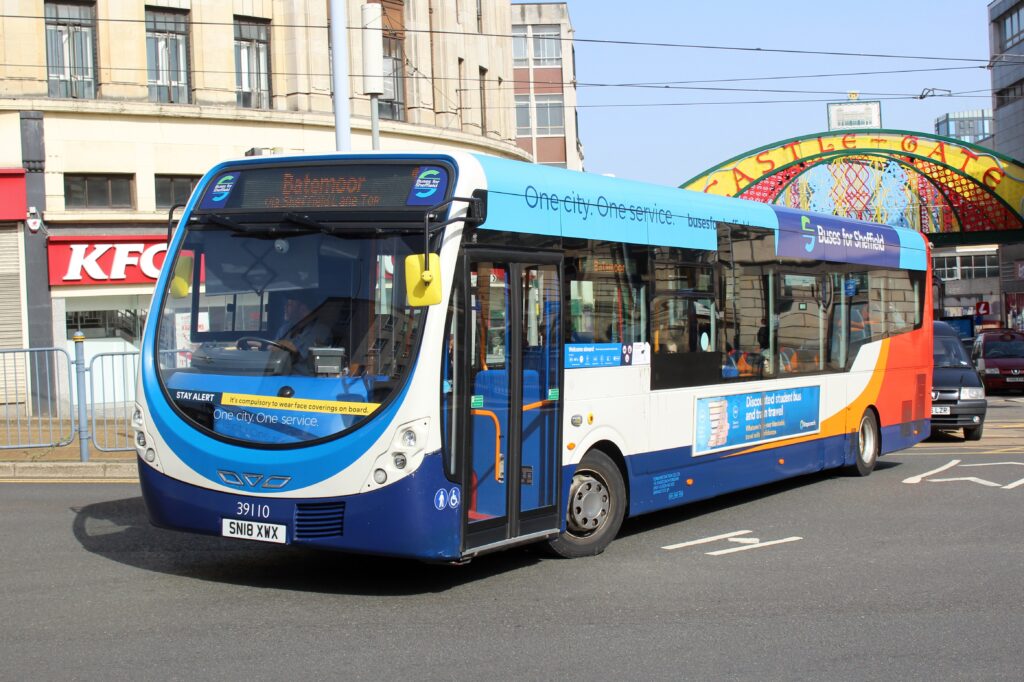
x: 300, y: 330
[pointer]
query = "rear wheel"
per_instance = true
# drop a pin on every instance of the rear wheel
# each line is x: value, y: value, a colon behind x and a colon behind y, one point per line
x: 973, y: 432
x: 868, y: 444
x: 597, y: 503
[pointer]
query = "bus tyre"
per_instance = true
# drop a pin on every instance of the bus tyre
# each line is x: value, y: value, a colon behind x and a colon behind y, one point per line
x: 597, y: 503
x: 868, y: 443
x: 973, y: 432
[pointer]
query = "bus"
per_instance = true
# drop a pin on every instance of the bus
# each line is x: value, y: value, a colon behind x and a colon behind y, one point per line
x: 440, y: 355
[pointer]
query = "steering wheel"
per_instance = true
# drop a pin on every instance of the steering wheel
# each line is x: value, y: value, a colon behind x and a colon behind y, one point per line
x: 249, y: 342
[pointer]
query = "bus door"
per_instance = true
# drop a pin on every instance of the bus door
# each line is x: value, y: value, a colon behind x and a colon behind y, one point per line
x: 512, y: 353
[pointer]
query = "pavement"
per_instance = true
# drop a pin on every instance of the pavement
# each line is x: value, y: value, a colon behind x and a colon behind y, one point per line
x: 64, y: 463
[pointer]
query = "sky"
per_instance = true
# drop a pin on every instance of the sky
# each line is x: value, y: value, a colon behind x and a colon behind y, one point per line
x: 677, y: 133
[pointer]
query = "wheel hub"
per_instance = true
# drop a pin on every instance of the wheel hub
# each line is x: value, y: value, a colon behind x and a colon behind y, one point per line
x: 589, y: 503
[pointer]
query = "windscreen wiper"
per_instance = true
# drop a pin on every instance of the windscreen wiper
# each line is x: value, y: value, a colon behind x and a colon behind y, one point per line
x: 299, y: 225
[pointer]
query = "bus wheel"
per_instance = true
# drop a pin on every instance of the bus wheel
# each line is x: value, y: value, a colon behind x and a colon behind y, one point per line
x: 597, y: 503
x: 868, y: 444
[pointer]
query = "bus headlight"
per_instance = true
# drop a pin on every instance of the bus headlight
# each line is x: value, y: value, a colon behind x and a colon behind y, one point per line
x: 137, y: 418
x: 403, y: 456
x: 991, y: 370
x: 972, y: 393
x: 140, y: 439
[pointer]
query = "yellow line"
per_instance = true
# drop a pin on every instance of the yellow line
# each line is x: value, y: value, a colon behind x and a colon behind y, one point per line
x: 69, y: 480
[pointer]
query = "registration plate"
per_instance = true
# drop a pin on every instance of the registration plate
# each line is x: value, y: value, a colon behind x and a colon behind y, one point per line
x: 253, y: 530
x: 1015, y: 378
x: 940, y: 409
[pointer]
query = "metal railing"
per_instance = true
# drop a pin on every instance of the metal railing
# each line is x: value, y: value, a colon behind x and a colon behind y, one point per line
x: 35, y: 385
x: 48, y: 399
x: 112, y: 399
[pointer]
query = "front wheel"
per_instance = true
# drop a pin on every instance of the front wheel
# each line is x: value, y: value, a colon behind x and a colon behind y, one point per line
x: 869, y: 443
x: 973, y: 432
x: 597, y: 503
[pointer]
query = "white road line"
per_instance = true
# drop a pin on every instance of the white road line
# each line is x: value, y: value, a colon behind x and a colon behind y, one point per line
x: 1015, y: 484
x: 746, y: 547
x: 921, y: 477
x: 969, y: 479
x: 994, y: 464
x: 704, y: 541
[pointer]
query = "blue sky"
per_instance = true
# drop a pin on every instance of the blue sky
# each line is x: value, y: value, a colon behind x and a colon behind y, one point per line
x: 670, y: 144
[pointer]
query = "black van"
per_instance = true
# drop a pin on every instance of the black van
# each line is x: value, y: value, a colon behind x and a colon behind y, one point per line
x: 958, y: 395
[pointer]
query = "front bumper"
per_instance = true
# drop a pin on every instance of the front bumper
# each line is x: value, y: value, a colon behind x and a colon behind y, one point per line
x: 1003, y: 382
x: 402, y: 519
x: 961, y: 413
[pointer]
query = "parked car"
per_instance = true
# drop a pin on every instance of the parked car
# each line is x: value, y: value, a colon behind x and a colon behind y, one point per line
x: 958, y: 395
x: 999, y: 356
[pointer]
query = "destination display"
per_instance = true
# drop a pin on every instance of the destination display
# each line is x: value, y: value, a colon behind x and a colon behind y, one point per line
x: 726, y: 422
x: 312, y: 188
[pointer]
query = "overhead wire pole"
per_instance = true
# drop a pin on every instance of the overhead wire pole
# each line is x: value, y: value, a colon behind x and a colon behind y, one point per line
x: 339, y: 66
x: 373, y: 64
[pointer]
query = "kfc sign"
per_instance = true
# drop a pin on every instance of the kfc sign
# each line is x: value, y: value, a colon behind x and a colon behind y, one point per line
x: 86, y: 259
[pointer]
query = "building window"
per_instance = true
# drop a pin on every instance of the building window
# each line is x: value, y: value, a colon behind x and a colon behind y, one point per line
x: 167, y: 56
x: 98, y: 191
x: 70, y: 50
x: 1013, y: 27
x: 524, y: 123
x: 108, y: 324
x: 973, y: 266
x: 519, y: 57
x: 1010, y: 94
x: 547, y: 46
x: 461, y: 92
x: 483, y: 101
x: 174, y: 190
x: 391, y: 104
x: 252, y: 63
x: 550, y: 115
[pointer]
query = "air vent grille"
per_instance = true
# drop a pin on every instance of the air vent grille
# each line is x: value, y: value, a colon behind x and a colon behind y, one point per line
x: 319, y: 520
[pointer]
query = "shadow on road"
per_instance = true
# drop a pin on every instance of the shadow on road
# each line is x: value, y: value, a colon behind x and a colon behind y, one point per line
x: 120, y: 531
x: 675, y: 515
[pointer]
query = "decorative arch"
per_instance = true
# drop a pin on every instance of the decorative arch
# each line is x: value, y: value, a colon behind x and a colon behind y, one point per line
x: 934, y: 184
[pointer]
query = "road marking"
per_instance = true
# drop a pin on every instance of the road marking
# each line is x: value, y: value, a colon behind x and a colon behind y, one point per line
x: 745, y: 541
x: 921, y: 477
x: 969, y: 479
x: 704, y: 541
x: 1015, y: 484
x: 993, y: 464
x: 746, y: 547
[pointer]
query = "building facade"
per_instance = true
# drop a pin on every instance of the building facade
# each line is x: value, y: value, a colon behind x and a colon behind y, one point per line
x: 970, y: 126
x: 544, y: 64
x: 111, y: 111
x: 1006, y: 45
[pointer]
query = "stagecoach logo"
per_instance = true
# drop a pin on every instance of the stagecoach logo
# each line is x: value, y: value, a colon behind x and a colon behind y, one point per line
x: 222, y: 188
x: 429, y: 186
x: 253, y: 480
x: 805, y: 226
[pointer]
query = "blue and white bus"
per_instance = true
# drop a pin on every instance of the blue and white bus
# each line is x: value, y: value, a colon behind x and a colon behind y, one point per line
x: 442, y: 355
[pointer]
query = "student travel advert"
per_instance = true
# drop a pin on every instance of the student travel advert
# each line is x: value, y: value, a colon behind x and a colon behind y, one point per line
x: 726, y: 422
